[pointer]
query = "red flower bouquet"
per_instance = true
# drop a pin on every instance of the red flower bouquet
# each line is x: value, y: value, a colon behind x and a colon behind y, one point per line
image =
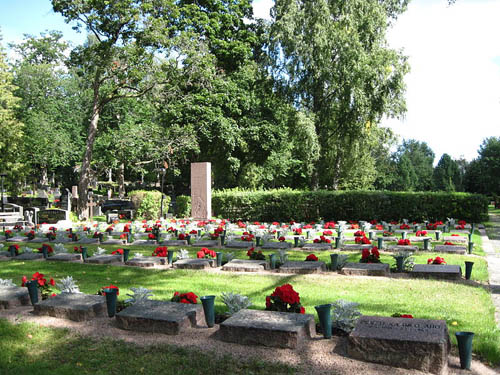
x: 436, y: 260
x: 205, y: 253
x: 111, y: 286
x: 312, y: 258
x: 189, y: 298
x: 404, y: 242
x: 117, y: 252
x: 284, y: 299
x: 322, y: 239
x: 160, y: 251
x: 370, y: 256
x: 255, y: 255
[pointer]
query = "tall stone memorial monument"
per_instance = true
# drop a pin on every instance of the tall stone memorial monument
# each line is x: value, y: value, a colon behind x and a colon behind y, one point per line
x: 201, y: 191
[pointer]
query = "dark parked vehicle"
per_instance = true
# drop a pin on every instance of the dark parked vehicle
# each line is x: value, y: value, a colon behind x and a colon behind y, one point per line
x: 116, y: 205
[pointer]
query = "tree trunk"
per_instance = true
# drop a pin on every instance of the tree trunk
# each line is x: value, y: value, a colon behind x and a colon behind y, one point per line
x: 87, y: 157
x: 121, y: 180
x: 110, y: 179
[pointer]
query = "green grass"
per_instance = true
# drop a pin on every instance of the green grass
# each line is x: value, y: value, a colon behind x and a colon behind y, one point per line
x: 469, y: 305
x: 30, y: 349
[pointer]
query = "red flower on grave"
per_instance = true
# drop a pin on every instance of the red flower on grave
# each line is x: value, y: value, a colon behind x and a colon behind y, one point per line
x: 421, y: 233
x: 205, y: 253
x: 409, y: 316
x: 330, y: 225
x: 404, y: 226
x: 436, y: 260
x: 123, y: 236
x: 327, y: 233
x: 189, y: 298
x: 373, y: 222
x: 282, y: 239
x: 160, y: 251
x: 24, y: 280
x: 359, y: 233
x: 449, y: 243
x: 302, y: 310
x: 52, y: 282
x: 117, y: 252
x: 182, y: 236
x: 404, y: 242
x: 111, y: 286
x: 126, y: 228
x: 193, y: 232
x: 77, y: 249
x: 312, y: 258
x: 151, y: 236
x: 297, y: 231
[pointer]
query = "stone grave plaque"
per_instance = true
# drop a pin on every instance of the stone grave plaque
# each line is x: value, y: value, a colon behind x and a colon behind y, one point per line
x: 73, y: 306
x: 51, y: 216
x: 113, y: 241
x: 365, y: 269
x: 245, y: 265
x: 317, y: 246
x: 104, y: 259
x: 420, y: 239
x: 205, y: 244
x: 170, y: 318
x: 303, y: 267
x: 147, y: 262
x: 69, y: 257
x: 390, y: 239
x: 268, y: 328
x: 87, y: 240
x: 38, y: 240
x: 174, y: 243
x: 452, y: 249
x: 397, y: 248
x: 18, y: 239
x: 201, y: 191
x: 437, y: 271
x: 194, y: 264
x: 277, y: 245
x: 355, y: 247
x: 144, y: 242
x: 30, y: 256
x: 239, y: 245
x: 5, y: 255
x: 419, y: 344
x: 13, y: 296
x: 456, y: 239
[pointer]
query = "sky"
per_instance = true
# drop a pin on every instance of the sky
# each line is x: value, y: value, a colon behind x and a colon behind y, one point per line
x: 453, y: 89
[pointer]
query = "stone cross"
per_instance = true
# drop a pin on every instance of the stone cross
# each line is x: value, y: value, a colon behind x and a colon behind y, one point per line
x: 91, y: 204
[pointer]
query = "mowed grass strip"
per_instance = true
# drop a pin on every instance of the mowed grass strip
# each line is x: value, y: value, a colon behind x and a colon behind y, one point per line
x: 465, y: 307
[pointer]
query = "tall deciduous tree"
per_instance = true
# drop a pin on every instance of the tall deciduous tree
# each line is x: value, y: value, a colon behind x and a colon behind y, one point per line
x: 446, y: 176
x: 333, y: 57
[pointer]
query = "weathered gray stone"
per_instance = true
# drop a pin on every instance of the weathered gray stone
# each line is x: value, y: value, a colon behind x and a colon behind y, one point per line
x: 144, y: 242
x: 175, y: 243
x: 420, y: 344
x: 355, y: 247
x: 303, y: 267
x: 268, y: 328
x: 245, y: 265
x: 86, y: 240
x: 147, y: 262
x: 397, y: 248
x: 113, y: 241
x: 29, y: 256
x: 277, y: 245
x: 420, y: 239
x: 69, y: 257
x: 205, y: 243
x: 437, y: 271
x: 365, y: 269
x: 4, y: 254
x: 391, y: 239
x: 170, y: 318
x: 194, y: 264
x: 104, y: 259
x: 72, y: 306
x: 456, y: 239
x: 13, y: 296
x: 38, y: 240
x: 239, y: 244
x: 317, y: 246
x: 17, y: 239
x: 452, y: 249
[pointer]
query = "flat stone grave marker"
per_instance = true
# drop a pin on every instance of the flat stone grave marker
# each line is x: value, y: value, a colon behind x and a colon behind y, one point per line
x: 38, y: 240
x: 355, y: 247
x: 5, y: 255
x: 112, y: 241
x: 239, y: 244
x: 277, y: 245
x: 72, y: 306
x: 420, y: 344
x: 13, y: 296
x: 104, y: 259
x: 390, y: 239
x: 317, y: 246
x: 17, y: 239
x: 66, y: 257
x: 420, y: 239
x: 268, y: 328
x: 194, y: 264
x: 456, y: 239
x: 437, y: 271
x: 147, y: 262
x: 365, y: 269
x: 30, y: 256
x: 303, y: 267
x: 144, y: 242
x: 397, y: 248
x: 245, y: 265
x: 205, y: 243
x: 86, y: 240
x: 170, y: 318
x: 175, y: 243
x: 453, y: 249
x: 52, y: 216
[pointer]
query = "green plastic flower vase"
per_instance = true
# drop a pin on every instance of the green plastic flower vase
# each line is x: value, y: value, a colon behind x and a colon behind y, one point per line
x: 170, y: 256
x: 219, y: 258
x: 389, y: 227
x: 416, y: 228
x: 12, y: 250
x: 188, y: 238
x: 370, y: 235
x: 472, y: 228
x: 272, y: 261
x: 464, y: 340
x: 45, y: 251
x: 337, y: 242
x: 403, y: 235
x: 325, y: 319
x: 468, y: 270
x: 222, y: 239
x: 334, y: 258
x: 438, y: 235
x: 130, y: 238
x: 111, y: 301
x: 33, y: 291
x: 296, y: 241
x: 469, y: 236
x: 399, y: 263
x: 427, y: 241
x: 84, y: 253
x: 380, y: 242
x: 126, y: 252
x: 471, y: 247
x: 208, y: 303
x: 257, y: 239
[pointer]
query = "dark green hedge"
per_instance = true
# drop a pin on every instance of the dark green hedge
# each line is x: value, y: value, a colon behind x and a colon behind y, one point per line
x: 183, y: 206
x: 286, y: 205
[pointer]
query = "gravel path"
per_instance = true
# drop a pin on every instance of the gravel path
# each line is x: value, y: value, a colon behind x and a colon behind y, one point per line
x: 316, y: 357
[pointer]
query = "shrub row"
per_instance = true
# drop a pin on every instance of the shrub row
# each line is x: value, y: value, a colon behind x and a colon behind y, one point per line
x: 148, y: 203
x: 306, y: 206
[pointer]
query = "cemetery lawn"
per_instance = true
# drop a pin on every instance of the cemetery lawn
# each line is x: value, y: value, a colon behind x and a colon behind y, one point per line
x: 464, y: 306
x: 30, y: 349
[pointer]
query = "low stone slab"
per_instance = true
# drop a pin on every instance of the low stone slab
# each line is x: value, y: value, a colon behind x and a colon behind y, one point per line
x: 4, y: 254
x: 317, y: 246
x: 144, y: 242
x: 420, y: 239
x: 277, y: 245
x: 437, y: 271
x: 194, y: 264
x: 38, y: 240
x: 147, y: 262
x: 452, y: 249
x: 170, y: 318
x: 303, y: 267
x: 72, y: 306
x: 87, y: 241
x: 66, y: 257
x: 104, y: 259
x: 365, y: 269
x: 420, y: 344
x: 458, y: 239
x: 29, y: 256
x: 239, y: 244
x: 113, y: 241
x: 397, y: 248
x: 17, y: 239
x: 245, y: 265
x: 13, y: 296
x: 205, y: 243
x: 175, y: 243
x: 268, y: 328
x: 355, y: 247
x: 391, y: 239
